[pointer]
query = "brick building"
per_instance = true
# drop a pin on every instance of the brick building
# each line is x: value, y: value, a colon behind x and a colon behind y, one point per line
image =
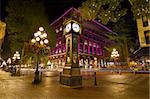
x: 91, y: 44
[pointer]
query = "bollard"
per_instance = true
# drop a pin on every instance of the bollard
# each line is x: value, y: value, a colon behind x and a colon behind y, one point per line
x: 119, y: 72
x: 41, y: 77
x: 60, y: 78
x: 95, y: 82
x: 134, y: 72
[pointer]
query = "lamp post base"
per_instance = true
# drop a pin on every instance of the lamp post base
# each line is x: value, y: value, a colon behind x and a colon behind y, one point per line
x: 36, y: 78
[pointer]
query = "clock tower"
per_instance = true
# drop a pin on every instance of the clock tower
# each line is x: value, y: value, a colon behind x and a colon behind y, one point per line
x: 70, y: 76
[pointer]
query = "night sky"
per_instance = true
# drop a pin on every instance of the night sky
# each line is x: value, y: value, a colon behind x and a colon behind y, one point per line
x: 54, y: 8
x: 57, y: 7
x: 2, y: 9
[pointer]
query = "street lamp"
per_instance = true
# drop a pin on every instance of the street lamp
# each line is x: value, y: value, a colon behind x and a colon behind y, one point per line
x: 17, y: 57
x: 114, y: 55
x: 39, y: 41
x: 9, y: 62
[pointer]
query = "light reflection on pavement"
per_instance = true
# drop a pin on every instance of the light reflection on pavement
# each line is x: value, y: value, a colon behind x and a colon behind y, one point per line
x: 127, y: 86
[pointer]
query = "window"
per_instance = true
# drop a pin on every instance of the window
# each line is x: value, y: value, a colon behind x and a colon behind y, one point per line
x: 94, y: 38
x: 64, y: 48
x: 56, y: 44
x: 94, y: 50
x: 90, y: 49
x: 59, y: 42
x: 85, y: 42
x: 145, y: 22
x: 81, y: 40
x: 86, y: 49
x: 59, y: 50
x: 90, y: 36
x: 147, y: 36
x: 98, y: 51
x: 86, y: 34
x: 81, y: 48
x: 57, y: 30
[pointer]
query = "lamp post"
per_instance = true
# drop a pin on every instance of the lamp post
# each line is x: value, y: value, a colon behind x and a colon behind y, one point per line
x: 114, y: 55
x: 17, y: 57
x: 39, y: 41
x: 9, y: 63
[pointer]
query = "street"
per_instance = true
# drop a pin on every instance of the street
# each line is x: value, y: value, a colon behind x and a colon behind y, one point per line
x: 111, y: 86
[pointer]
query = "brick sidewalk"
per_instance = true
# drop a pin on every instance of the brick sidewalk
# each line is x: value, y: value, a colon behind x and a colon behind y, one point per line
x: 108, y: 87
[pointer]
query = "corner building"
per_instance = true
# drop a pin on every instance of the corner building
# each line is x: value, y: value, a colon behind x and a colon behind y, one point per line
x: 143, y: 25
x: 92, y: 40
x: 142, y: 53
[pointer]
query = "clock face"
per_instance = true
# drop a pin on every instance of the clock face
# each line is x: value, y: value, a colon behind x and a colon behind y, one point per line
x: 68, y: 27
x: 76, y: 27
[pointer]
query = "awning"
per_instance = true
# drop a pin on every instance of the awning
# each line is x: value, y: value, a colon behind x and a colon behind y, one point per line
x: 141, y: 52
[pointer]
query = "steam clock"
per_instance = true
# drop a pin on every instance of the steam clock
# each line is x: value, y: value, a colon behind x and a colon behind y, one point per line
x: 70, y: 76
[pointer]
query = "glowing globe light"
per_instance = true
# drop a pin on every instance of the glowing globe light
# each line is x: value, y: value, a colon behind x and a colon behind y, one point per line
x: 33, y: 40
x: 46, y: 41
x: 41, y: 36
x: 18, y: 57
x: 15, y: 55
x: 14, y: 58
x: 41, y: 28
x: 37, y: 39
x: 114, y: 53
x: 41, y: 42
x: 45, y: 35
x: 36, y: 34
x: 60, y: 29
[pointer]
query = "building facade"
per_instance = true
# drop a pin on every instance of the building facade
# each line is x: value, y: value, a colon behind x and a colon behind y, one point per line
x: 141, y: 55
x: 143, y: 25
x: 92, y: 42
x: 2, y: 33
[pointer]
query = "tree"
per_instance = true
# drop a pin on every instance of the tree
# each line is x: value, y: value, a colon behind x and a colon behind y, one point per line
x: 24, y: 18
x: 124, y: 42
x: 113, y: 11
x: 103, y: 10
x: 29, y: 53
x: 140, y: 8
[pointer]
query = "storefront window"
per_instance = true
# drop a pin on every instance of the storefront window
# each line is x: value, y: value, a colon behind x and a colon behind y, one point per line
x: 90, y: 49
x: 147, y: 36
x: 86, y: 49
x: 81, y: 48
x: 145, y: 22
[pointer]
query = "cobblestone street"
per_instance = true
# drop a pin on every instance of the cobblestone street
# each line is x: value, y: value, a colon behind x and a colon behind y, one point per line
x: 126, y: 86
